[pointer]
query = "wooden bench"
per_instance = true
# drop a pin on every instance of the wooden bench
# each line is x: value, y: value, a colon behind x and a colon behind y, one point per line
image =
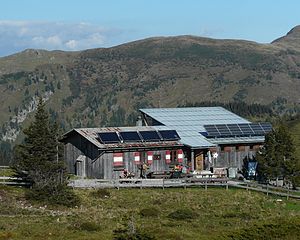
x: 159, y: 175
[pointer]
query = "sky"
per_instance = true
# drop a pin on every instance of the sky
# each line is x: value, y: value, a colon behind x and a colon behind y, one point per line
x: 73, y: 25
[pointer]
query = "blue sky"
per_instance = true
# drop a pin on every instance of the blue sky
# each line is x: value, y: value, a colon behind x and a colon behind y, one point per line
x: 81, y: 24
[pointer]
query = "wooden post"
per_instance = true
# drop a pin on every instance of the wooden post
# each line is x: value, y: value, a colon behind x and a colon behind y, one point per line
x: 163, y: 183
x: 193, y: 160
x: 288, y: 193
x: 267, y: 189
x: 226, y: 185
x: 185, y: 182
x: 205, y: 184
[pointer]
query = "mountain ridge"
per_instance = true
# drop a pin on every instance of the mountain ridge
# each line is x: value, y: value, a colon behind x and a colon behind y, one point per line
x: 106, y: 86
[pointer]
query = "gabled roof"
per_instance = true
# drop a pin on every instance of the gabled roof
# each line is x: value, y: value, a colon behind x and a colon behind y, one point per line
x: 91, y: 134
x: 188, y: 122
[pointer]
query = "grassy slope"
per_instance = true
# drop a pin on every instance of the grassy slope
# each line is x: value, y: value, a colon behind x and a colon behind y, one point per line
x: 221, y: 215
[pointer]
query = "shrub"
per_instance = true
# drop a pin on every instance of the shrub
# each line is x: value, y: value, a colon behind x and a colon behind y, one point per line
x: 281, y: 229
x: 183, y: 214
x: 149, y: 212
x: 88, y: 226
x: 63, y: 196
x: 129, y: 231
x: 124, y: 234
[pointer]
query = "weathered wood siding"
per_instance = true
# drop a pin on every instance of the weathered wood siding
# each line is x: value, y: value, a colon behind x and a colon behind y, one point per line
x: 100, y: 165
x: 233, y: 156
x: 105, y: 163
x: 76, y: 146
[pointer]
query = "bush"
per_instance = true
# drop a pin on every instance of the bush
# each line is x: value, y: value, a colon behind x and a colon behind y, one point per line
x: 281, y: 229
x: 183, y: 214
x: 149, y: 212
x: 87, y: 226
x: 129, y: 231
x: 61, y: 196
x: 124, y: 234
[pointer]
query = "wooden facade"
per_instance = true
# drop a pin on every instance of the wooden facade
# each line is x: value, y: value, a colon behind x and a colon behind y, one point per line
x: 230, y: 156
x: 85, y: 159
x: 231, y: 147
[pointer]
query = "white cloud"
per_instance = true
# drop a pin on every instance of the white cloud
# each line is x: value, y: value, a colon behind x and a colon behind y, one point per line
x: 71, y: 44
x: 19, y: 35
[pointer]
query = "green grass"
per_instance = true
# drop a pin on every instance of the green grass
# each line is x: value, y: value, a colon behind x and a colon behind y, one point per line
x: 6, y: 172
x: 164, y: 214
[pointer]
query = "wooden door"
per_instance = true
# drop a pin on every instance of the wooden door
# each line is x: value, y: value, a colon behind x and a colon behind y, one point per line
x: 199, y: 162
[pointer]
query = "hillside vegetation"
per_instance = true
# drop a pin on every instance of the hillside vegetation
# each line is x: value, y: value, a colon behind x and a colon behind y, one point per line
x: 106, y: 86
x: 295, y: 130
x: 160, y: 214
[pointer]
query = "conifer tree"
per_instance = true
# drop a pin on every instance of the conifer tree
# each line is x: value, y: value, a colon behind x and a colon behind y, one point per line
x: 277, y: 158
x: 39, y: 159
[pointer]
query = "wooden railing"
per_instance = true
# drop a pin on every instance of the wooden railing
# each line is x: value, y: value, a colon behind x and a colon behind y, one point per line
x: 13, y: 181
x: 183, y: 182
x: 143, y: 183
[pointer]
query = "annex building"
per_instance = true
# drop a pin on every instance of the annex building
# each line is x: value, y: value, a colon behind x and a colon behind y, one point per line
x: 200, y: 138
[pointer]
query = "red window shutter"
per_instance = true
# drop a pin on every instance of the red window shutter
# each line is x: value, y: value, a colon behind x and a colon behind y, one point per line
x: 149, y: 157
x: 137, y: 158
x: 168, y: 157
x: 180, y: 155
x: 118, y: 159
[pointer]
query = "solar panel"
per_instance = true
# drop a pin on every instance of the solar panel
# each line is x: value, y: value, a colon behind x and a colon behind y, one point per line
x: 211, y: 127
x: 150, y: 136
x: 213, y: 134
x: 246, y: 129
x: 205, y: 134
x: 108, y: 137
x: 211, y: 131
x: 234, y: 129
x: 223, y: 130
x: 130, y: 136
x: 237, y: 130
x: 257, y: 129
x: 267, y: 127
x: 168, y: 135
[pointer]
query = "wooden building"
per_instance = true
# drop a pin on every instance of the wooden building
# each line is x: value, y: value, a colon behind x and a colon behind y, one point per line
x: 213, y: 137
x: 105, y: 152
x: 201, y: 138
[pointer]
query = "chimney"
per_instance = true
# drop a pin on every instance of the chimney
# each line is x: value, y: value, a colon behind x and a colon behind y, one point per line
x: 139, y: 121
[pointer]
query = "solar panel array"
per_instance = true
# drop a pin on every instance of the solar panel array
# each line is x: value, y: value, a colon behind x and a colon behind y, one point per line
x: 130, y: 136
x: 169, y: 134
x: 237, y: 130
x: 109, y: 137
x: 138, y: 136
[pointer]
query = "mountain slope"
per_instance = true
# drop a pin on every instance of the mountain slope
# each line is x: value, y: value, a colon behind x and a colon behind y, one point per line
x: 106, y: 86
x: 291, y: 40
